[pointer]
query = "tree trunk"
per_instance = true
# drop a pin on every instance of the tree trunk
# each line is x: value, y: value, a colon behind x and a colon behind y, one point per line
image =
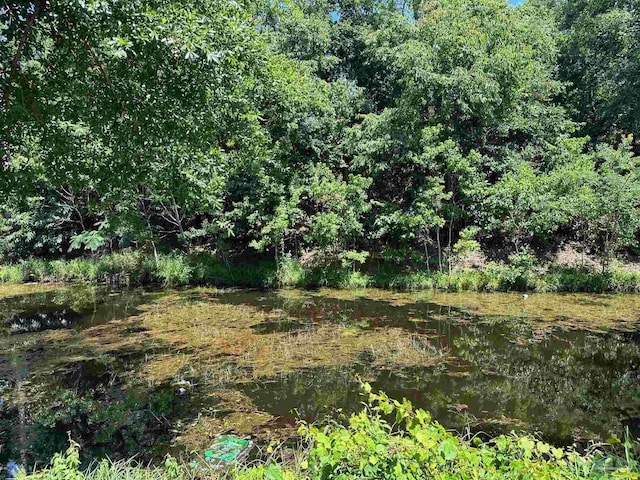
x: 439, y: 250
x: 426, y: 254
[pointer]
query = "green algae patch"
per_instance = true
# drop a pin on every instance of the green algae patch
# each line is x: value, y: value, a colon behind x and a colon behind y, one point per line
x: 594, y: 312
x: 214, y: 331
x: 15, y: 289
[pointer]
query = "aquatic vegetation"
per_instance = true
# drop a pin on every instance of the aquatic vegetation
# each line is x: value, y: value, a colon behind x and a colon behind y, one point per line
x: 596, y: 312
x: 149, y: 370
x: 18, y: 289
x: 214, y: 331
x: 200, y: 434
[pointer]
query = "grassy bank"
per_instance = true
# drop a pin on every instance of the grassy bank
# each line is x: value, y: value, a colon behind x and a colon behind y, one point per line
x: 368, y: 447
x: 179, y: 269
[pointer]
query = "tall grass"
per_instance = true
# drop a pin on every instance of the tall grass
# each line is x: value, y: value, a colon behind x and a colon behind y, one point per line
x: 135, y: 268
x: 10, y: 274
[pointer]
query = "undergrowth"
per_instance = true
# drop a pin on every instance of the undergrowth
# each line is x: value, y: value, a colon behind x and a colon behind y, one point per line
x: 134, y: 268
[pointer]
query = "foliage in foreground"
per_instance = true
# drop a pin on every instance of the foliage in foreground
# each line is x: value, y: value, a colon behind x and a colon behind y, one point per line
x: 369, y: 447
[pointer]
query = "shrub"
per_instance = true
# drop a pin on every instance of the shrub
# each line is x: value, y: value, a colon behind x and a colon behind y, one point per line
x: 415, y: 447
x: 35, y: 270
x: 292, y: 273
x: 82, y: 270
x: 180, y: 269
x: 624, y: 281
x: 131, y: 265
x: 370, y: 447
x: 173, y: 270
x: 10, y: 274
x: 358, y: 280
x: 67, y: 467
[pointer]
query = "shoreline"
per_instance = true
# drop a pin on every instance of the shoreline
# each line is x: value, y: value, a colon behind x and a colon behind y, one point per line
x: 136, y: 269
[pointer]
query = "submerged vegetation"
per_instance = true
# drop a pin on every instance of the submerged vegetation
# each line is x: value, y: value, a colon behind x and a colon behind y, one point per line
x: 369, y: 447
x: 135, y: 373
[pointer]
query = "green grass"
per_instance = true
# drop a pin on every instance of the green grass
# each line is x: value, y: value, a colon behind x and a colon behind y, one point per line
x: 134, y: 268
x: 10, y: 274
x: 367, y: 447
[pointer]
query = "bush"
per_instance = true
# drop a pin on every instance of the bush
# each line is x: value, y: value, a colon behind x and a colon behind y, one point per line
x: 127, y: 266
x: 206, y: 269
x: 180, y: 269
x: 291, y: 273
x: 369, y: 447
x: 67, y: 467
x: 10, y: 274
x: 574, y: 280
x: 83, y: 270
x: 416, y: 447
x: 624, y: 281
x: 173, y: 270
x: 35, y: 270
x: 357, y: 280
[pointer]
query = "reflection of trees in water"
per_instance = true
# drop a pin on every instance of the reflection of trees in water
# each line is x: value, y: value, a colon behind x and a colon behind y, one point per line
x: 91, y: 304
x: 89, y: 401
x: 564, y: 383
x: 310, y: 394
x: 561, y: 381
x: 21, y: 401
x: 308, y: 307
x: 41, y: 320
x: 84, y: 397
x: 79, y: 298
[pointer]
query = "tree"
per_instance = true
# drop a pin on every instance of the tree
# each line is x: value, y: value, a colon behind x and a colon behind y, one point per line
x: 600, y: 62
x: 317, y: 126
x: 606, y: 209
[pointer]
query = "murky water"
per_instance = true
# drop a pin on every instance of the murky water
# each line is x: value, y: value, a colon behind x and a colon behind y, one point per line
x: 146, y: 373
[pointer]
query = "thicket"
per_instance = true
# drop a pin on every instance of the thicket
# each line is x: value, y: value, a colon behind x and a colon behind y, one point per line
x: 324, y: 131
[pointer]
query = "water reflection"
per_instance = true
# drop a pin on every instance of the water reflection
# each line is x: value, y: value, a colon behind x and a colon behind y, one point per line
x: 505, y: 374
x: 42, y: 320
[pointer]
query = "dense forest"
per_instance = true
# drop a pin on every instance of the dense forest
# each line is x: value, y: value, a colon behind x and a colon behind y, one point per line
x: 330, y: 131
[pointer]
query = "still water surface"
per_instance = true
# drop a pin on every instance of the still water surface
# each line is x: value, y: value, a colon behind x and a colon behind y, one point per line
x: 149, y: 372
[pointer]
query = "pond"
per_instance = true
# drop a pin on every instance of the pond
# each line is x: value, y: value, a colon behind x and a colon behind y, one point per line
x: 146, y: 373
